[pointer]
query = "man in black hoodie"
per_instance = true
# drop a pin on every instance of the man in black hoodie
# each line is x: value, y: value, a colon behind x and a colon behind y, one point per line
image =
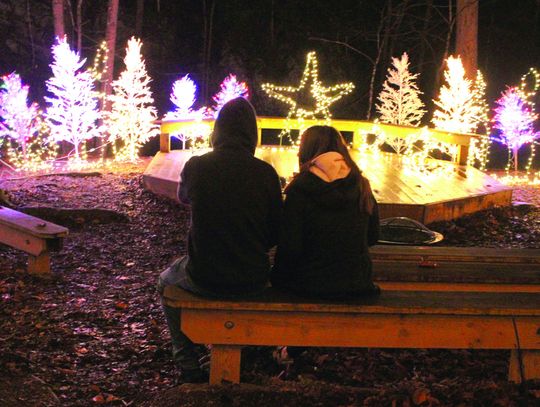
x: 236, y: 206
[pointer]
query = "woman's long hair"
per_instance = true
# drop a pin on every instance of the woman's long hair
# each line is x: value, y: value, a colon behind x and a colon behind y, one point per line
x: 318, y: 140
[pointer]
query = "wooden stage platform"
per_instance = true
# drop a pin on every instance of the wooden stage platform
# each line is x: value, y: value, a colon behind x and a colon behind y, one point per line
x: 444, y: 191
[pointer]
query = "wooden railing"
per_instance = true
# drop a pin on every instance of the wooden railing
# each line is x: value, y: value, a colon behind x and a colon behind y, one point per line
x: 357, y: 127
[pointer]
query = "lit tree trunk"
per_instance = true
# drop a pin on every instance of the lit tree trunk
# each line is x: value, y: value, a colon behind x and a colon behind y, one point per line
x: 58, y: 16
x: 467, y: 35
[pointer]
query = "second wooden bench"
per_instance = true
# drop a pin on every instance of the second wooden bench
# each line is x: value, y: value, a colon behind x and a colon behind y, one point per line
x: 32, y: 235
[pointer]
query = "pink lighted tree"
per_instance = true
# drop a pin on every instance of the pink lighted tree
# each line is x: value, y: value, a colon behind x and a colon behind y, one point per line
x: 515, y: 121
x: 18, y: 119
x: 230, y: 88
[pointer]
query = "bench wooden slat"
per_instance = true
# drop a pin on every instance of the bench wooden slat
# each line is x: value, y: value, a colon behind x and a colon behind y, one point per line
x: 22, y: 241
x: 459, y: 287
x: 457, y: 272
x: 390, y: 302
x: 359, y: 330
x: 30, y: 224
x: 455, y: 254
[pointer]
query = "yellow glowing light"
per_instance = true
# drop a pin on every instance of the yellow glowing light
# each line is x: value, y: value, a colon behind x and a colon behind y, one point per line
x: 99, y: 67
x: 322, y: 97
x: 531, y: 178
x: 37, y: 154
x: 529, y: 95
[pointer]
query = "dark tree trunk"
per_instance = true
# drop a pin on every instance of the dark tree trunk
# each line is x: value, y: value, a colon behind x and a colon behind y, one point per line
x: 424, y: 34
x: 139, y: 18
x: 467, y: 35
x: 208, y: 14
x: 384, y: 26
x: 440, y: 72
x: 58, y: 16
x: 79, y: 25
x: 110, y: 38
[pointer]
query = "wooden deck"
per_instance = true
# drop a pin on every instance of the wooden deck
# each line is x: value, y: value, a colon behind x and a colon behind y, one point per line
x: 448, y: 191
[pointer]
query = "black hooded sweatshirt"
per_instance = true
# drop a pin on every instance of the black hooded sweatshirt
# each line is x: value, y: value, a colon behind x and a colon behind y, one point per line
x: 323, y: 248
x: 236, y: 206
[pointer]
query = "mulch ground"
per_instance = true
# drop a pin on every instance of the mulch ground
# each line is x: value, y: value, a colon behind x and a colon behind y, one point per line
x: 94, y: 333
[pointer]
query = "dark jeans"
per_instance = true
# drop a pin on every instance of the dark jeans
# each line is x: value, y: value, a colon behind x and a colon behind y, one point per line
x: 186, y: 354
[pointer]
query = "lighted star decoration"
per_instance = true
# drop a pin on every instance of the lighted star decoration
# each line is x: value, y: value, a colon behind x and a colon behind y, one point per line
x: 310, y: 99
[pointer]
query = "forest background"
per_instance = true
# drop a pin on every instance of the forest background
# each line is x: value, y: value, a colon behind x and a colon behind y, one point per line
x: 267, y: 40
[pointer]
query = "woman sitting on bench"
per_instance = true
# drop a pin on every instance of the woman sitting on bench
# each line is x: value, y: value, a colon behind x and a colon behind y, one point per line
x: 330, y: 219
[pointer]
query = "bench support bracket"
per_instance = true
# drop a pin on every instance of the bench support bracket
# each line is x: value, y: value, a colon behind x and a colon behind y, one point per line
x: 39, y: 264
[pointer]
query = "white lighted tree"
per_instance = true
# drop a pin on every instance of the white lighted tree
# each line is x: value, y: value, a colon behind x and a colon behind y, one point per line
x: 456, y: 109
x: 515, y: 120
x: 400, y: 101
x: 132, y: 117
x: 72, y: 111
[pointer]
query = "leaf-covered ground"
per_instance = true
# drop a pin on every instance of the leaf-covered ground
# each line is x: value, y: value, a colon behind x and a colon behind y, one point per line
x: 94, y: 334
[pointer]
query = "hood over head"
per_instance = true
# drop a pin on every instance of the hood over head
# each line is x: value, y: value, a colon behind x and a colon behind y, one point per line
x: 329, y: 166
x: 236, y: 127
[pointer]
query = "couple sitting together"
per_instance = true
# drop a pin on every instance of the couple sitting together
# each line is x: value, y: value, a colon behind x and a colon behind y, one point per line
x: 322, y: 231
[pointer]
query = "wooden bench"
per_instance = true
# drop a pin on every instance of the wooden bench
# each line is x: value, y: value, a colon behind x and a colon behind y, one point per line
x: 447, y: 315
x: 32, y: 235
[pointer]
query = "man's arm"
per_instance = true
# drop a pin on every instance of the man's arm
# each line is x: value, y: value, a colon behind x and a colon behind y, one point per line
x: 183, y: 188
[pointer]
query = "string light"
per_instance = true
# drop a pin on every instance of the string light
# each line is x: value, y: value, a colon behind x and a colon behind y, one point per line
x: 479, y: 147
x: 529, y: 95
x: 322, y: 97
x: 99, y: 67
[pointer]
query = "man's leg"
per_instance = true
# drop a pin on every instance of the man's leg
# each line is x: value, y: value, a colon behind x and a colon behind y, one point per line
x: 186, y: 354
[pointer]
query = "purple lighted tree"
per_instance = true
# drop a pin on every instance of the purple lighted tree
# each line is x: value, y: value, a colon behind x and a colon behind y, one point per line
x: 230, y: 88
x: 183, y: 96
x: 515, y: 121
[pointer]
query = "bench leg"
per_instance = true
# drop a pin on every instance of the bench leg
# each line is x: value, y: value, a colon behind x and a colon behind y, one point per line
x: 39, y: 264
x: 225, y: 364
x: 531, y: 365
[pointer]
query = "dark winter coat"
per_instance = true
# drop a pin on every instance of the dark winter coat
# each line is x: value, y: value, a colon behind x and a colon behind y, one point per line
x: 323, y: 248
x: 236, y: 206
